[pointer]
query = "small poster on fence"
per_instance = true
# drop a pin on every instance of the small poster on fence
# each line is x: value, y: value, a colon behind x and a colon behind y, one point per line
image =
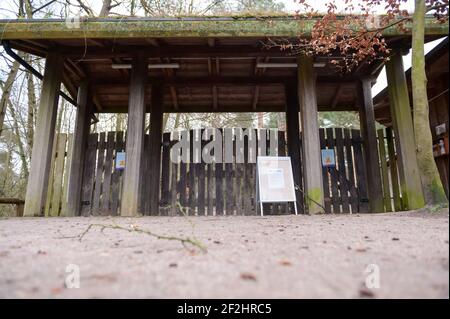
x: 328, y: 159
x: 120, y: 160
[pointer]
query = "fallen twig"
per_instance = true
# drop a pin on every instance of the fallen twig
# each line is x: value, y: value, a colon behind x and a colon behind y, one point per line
x: 184, y: 241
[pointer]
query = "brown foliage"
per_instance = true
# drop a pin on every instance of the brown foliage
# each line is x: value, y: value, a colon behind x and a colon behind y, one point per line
x: 354, y: 35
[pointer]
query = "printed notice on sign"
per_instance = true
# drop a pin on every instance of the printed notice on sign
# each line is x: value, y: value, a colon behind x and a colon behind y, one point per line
x: 275, y: 179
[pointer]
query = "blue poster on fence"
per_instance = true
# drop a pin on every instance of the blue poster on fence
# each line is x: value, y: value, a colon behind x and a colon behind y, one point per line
x: 120, y: 160
x: 328, y: 159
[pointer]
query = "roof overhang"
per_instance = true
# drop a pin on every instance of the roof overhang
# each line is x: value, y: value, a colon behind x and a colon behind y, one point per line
x: 113, y: 28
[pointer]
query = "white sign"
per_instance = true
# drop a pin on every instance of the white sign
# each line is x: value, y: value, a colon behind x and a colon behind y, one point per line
x: 275, y: 182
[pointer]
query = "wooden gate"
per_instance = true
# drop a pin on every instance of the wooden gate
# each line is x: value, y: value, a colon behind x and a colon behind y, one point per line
x: 345, y: 184
x: 216, y: 188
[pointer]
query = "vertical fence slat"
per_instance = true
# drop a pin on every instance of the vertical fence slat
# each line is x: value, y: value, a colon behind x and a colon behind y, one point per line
x: 325, y: 175
x: 384, y: 171
x: 284, y: 207
x: 343, y: 186
x: 350, y: 167
x: 116, y: 179
x: 219, y: 188
x: 333, y: 175
x: 201, y: 209
x: 108, y: 169
x: 211, y: 182
x: 238, y: 172
x: 165, y: 175
x: 247, y: 179
x: 88, y: 175
x: 174, y: 202
x: 99, y: 174
x: 66, y: 174
x: 48, y: 200
x: 191, y: 177
x: 252, y: 178
x: 145, y: 190
x: 393, y: 169
x: 58, y: 175
x: 363, y: 204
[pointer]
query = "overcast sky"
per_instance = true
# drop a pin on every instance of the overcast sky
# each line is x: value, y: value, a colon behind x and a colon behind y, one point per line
x: 8, y: 8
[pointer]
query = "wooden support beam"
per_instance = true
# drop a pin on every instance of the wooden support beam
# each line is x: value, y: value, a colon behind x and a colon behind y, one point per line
x: 310, y: 131
x: 125, y: 73
x: 130, y: 205
x: 70, y: 87
x: 168, y: 51
x: 43, y: 138
x: 220, y: 80
x: 371, y: 159
x: 293, y: 138
x: 156, y: 129
x: 258, y: 72
x: 411, y: 187
x: 173, y: 89
x: 78, y: 71
x: 81, y: 132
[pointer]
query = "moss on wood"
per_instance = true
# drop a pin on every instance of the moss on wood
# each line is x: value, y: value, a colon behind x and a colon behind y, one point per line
x: 178, y: 27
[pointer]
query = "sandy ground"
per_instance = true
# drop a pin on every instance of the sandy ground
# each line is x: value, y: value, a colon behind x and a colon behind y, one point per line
x: 247, y: 257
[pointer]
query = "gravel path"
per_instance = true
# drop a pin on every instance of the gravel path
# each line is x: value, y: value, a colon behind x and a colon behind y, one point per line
x: 248, y: 257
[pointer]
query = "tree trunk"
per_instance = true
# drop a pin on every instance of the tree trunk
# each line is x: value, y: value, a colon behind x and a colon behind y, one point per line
x: 106, y: 7
x: 431, y: 181
x: 260, y: 120
x: 120, y: 119
x: 7, y: 92
x: 20, y: 146
x: 31, y: 109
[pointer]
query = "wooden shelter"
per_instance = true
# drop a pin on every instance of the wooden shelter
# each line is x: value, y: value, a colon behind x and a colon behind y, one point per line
x: 217, y: 64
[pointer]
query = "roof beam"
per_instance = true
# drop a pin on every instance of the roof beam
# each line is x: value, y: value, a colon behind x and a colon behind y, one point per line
x: 170, y: 51
x: 226, y: 80
x: 223, y: 107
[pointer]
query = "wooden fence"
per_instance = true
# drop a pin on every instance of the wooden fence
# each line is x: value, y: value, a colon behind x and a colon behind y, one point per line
x: 218, y: 189
x: 56, y: 201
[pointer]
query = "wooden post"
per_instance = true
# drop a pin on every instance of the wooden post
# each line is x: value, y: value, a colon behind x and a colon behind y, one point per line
x: 367, y: 118
x: 312, y: 170
x: 135, y: 137
x: 44, y: 135
x: 411, y: 187
x: 293, y: 139
x: 156, y: 129
x: 82, y: 126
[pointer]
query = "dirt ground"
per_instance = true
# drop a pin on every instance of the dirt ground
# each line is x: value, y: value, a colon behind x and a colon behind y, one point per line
x: 323, y: 256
